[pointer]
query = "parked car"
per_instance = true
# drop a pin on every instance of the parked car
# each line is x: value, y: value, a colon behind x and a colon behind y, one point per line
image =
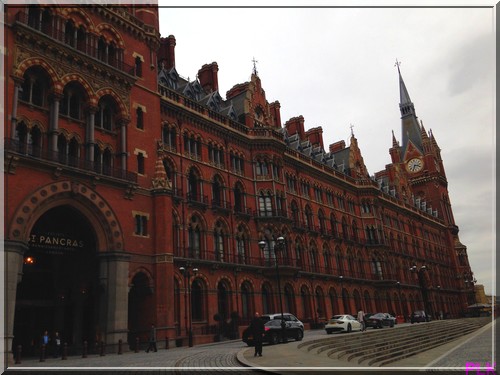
x: 419, y: 316
x: 380, y: 320
x: 342, y: 323
x: 289, y: 318
x: 273, y: 332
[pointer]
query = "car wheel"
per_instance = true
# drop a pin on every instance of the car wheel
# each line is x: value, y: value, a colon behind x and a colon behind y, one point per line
x: 299, y: 336
x: 380, y: 325
x: 392, y: 324
x: 328, y: 332
x: 274, y: 338
x: 349, y: 328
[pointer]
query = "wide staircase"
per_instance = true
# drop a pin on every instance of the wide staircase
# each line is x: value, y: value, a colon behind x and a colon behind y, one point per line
x: 380, y: 347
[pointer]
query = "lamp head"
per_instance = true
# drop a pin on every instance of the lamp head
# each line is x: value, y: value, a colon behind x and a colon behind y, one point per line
x: 262, y: 244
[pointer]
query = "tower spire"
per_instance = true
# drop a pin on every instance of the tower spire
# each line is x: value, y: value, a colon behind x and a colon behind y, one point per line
x: 411, y: 131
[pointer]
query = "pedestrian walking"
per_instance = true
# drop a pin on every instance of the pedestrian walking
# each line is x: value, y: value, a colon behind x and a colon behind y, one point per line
x: 361, y: 319
x: 257, y: 329
x: 152, y: 339
x: 57, y: 345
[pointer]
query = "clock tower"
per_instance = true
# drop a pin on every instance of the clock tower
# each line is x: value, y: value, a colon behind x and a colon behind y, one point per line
x: 421, y: 161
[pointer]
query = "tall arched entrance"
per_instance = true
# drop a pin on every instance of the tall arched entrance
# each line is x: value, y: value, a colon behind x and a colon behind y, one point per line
x: 65, y: 269
x: 59, y: 290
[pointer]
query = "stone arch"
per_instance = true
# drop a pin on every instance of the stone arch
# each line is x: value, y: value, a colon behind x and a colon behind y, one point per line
x: 109, y: 234
x: 144, y: 271
x: 107, y: 91
x: 93, y: 101
x: 79, y: 17
x: 110, y: 34
x: 40, y: 62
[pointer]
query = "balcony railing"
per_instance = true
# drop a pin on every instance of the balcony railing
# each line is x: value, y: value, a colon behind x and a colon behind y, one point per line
x: 86, y: 46
x: 34, y: 152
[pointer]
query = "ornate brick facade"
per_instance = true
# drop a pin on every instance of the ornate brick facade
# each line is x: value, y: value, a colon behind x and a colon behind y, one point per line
x: 120, y: 174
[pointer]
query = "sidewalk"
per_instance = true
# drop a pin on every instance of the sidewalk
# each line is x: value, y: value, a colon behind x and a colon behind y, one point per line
x: 289, y: 359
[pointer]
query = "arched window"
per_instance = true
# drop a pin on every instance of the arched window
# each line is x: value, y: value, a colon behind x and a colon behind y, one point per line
x: 139, y: 114
x: 289, y: 300
x: 376, y: 269
x: 295, y: 214
x: 345, y: 229
x: 219, y: 243
x: 339, y: 262
x: 239, y: 203
x: 35, y: 87
x: 194, y: 238
x: 267, y: 300
x: 22, y: 137
x: 241, y: 247
x: 198, y: 312
x: 246, y: 301
x: 73, y: 152
x: 217, y: 192
x: 106, y: 113
x: 309, y: 218
x: 73, y: 101
x: 168, y: 137
x: 320, y: 304
x: 62, y: 148
x: 138, y: 66
x: 322, y: 223
x: 333, y: 225
x: 265, y: 204
x: 194, y: 186
x: 70, y: 33
x: 298, y: 254
x: 306, y: 302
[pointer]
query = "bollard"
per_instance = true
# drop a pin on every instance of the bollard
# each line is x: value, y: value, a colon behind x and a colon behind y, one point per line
x: 137, y: 344
x: 42, y: 353
x: 166, y: 342
x: 65, y: 351
x: 85, y: 349
x: 102, y: 354
x: 18, y: 354
x: 120, y: 346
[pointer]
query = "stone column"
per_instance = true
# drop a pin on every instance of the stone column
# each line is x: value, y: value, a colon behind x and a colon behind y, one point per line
x: 90, y: 133
x: 17, y: 89
x: 54, y: 123
x: 13, y: 268
x: 123, y: 144
x: 113, y: 275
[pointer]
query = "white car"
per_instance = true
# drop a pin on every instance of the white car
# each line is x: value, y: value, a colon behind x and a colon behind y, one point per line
x: 344, y: 323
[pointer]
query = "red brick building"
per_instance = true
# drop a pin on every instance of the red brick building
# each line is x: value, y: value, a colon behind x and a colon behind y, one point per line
x: 120, y: 174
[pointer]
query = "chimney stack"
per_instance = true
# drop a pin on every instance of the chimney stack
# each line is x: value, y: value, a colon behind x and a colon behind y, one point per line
x: 166, y: 55
x: 208, y: 77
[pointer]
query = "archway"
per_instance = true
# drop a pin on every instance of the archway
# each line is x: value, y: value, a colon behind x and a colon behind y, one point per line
x: 60, y: 289
x: 140, y: 309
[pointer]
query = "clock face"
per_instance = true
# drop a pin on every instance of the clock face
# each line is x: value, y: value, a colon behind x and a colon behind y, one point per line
x: 415, y: 165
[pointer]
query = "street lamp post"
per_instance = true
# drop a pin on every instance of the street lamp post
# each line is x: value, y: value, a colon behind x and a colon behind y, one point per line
x: 342, y: 293
x: 400, y: 302
x: 186, y: 272
x: 420, y: 273
x: 280, y: 244
x: 438, y: 304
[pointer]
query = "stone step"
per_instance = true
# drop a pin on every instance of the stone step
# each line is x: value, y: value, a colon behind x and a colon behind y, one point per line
x: 383, y: 346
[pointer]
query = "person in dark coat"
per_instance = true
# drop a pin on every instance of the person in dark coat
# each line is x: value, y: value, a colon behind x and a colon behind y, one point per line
x: 257, y: 329
x: 152, y: 339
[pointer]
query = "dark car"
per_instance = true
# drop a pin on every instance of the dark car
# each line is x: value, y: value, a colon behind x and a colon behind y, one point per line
x: 380, y: 320
x: 419, y: 316
x: 273, y: 331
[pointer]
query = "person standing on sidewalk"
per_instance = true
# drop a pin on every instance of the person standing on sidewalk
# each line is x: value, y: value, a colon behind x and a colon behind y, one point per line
x: 257, y: 329
x: 152, y: 339
x: 361, y: 319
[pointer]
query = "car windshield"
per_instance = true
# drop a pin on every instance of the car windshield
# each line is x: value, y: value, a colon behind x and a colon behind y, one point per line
x: 379, y: 315
x: 273, y: 323
x: 338, y: 317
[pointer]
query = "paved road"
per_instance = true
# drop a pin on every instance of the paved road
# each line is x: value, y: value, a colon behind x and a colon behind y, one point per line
x: 235, y: 357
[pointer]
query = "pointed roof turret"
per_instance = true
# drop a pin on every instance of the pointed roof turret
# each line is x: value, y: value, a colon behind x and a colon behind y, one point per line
x: 410, y: 128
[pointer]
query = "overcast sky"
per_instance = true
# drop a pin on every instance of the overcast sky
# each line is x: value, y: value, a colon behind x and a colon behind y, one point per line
x: 336, y: 67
